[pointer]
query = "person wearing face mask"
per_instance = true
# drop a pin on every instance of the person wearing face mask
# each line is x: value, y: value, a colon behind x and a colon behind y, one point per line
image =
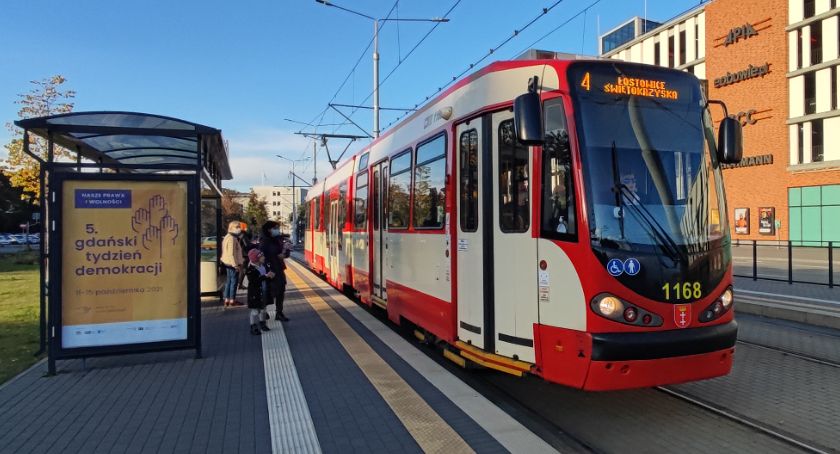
x: 271, y: 245
x: 232, y: 260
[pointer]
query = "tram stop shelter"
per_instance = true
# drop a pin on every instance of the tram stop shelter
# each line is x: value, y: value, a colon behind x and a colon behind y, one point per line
x: 125, y: 201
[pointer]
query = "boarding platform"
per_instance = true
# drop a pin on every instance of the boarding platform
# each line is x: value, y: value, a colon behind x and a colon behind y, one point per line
x: 332, y: 379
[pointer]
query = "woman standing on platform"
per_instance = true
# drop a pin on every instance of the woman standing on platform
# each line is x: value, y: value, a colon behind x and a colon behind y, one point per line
x: 232, y: 260
x: 271, y: 244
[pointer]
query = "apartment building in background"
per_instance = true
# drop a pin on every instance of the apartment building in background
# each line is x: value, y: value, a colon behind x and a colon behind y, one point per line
x: 280, y: 200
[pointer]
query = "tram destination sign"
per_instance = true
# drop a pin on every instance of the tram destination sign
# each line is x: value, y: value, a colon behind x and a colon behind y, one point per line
x: 601, y: 81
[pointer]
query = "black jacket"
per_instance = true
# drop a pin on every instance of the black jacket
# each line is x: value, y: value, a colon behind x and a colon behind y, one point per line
x: 274, y: 251
x: 256, y: 296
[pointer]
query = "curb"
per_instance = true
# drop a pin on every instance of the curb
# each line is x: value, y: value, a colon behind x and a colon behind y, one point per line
x: 810, y: 314
x: 8, y: 382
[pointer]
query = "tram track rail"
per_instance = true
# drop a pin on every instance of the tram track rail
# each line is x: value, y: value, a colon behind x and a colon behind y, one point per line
x: 749, y: 422
x: 799, y: 355
x: 742, y: 420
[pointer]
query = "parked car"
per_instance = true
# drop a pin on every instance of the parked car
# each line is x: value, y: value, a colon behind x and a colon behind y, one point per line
x: 208, y: 243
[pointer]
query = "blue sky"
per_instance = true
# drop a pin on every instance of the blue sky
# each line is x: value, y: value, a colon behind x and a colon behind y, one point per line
x: 245, y: 66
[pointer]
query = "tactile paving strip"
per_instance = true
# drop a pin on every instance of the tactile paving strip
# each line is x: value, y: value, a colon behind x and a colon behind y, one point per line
x: 429, y: 430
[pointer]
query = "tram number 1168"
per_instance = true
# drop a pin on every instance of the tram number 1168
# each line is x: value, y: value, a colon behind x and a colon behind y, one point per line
x: 682, y: 291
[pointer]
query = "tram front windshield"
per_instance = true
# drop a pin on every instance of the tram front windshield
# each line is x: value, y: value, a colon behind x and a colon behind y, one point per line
x: 652, y: 180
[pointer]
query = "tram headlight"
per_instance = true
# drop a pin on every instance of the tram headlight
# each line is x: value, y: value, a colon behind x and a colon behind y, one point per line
x: 618, y: 310
x: 610, y: 305
x: 726, y: 299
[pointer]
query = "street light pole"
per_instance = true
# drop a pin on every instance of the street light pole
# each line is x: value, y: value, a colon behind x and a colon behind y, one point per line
x: 376, y: 52
x: 375, y: 78
x: 294, y: 196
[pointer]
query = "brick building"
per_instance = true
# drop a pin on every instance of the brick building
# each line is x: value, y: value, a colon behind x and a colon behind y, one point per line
x: 774, y: 63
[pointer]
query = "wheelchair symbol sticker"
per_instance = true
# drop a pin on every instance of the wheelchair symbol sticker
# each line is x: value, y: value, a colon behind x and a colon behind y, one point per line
x: 615, y: 267
x: 632, y: 267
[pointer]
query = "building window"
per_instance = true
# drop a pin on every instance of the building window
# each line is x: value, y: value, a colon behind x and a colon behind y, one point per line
x: 468, y: 173
x: 833, y: 87
x: 656, y: 52
x: 816, y: 42
x: 514, y: 190
x: 671, y: 51
x: 798, y: 48
x: 558, y: 199
x: 682, y: 47
x: 618, y: 37
x: 429, y: 187
x: 399, y: 187
x: 360, y: 201
x: 696, y: 40
x: 810, y: 92
x: 814, y: 213
x: 809, y: 8
x: 800, y: 151
x: 648, y: 25
x: 817, y: 141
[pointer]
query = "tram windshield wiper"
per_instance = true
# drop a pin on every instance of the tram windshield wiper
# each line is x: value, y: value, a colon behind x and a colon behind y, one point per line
x: 653, y: 227
x: 617, y: 190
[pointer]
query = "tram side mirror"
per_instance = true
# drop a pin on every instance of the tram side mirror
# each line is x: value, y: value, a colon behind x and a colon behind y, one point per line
x: 527, y: 116
x: 730, y: 143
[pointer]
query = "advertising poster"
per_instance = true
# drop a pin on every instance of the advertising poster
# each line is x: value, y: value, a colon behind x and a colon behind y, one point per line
x: 767, y: 221
x: 124, y: 262
x: 742, y: 221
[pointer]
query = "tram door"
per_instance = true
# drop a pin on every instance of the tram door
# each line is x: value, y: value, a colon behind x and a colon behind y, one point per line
x: 469, y: 232
x: 380, y: 178
x: 514, y: 251
x: 332, y: 240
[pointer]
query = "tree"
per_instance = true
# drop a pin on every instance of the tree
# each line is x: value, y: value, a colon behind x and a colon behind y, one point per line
x: 256, y: 212
x: 13, y: 210
x: 231, y: 210
x: 45, y: 98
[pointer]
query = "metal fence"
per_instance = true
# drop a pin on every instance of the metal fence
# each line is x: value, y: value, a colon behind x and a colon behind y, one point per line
x: 786, y: 261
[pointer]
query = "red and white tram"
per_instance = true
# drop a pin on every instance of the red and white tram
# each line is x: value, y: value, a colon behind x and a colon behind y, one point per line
x: 577, y: 231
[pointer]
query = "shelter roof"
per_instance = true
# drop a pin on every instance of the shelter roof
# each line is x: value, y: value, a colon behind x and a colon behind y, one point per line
x: 112, y: 137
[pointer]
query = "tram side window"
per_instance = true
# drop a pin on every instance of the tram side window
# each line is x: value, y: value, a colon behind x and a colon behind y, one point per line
x: 360, y: 201
x: 514, y: 183
x: 342, y: 209
x: 399, y: 185
x: 377, y: 197
x: 363, y: 162
x: 429, y: 188
x: 558, y: 207
x: 316, y: 213
x: 327, y: 213
x: 469, y: 180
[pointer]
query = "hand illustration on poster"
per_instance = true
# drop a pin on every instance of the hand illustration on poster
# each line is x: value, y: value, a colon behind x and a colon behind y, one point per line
x: 155, y: 225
